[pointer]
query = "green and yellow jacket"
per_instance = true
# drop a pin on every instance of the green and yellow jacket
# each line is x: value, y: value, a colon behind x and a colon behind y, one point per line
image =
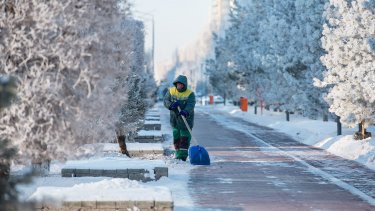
x: 186, y: 99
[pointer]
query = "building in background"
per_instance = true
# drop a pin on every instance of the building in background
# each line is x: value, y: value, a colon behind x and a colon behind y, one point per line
x: 220, y: 15
x: 191, y: 60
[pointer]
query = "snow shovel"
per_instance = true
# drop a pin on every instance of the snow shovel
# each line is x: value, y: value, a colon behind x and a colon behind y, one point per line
x: 198, y: 155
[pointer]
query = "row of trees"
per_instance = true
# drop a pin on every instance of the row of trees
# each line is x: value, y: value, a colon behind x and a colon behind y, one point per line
x: 290, y: 53
x: 80, y: 70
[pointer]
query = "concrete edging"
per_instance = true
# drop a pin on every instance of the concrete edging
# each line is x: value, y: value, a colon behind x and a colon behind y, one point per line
x: 132, y: 174
x: 107, y: 205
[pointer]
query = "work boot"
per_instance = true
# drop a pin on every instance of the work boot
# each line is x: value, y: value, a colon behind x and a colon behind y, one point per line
x: 182, y: 153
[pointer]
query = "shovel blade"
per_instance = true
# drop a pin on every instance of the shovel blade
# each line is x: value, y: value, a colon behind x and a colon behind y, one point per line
x: 198, y: 155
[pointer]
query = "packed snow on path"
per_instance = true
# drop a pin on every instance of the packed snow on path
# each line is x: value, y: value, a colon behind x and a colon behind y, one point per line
x: 311, y: 132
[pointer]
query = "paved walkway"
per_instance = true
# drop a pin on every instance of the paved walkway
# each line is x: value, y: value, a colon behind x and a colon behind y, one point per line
x: 257, y: 168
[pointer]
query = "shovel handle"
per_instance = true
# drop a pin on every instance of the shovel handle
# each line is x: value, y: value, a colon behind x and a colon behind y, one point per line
x: 188, y: 127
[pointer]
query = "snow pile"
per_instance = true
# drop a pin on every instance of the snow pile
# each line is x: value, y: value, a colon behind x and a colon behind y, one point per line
x: 110, y: 190
x: 362, y: 151
x: 313, y: 132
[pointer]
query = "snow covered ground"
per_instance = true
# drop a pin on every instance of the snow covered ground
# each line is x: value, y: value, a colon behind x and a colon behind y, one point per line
x: 113, y: 189
x: 56, y: 188
x: 311, y: 132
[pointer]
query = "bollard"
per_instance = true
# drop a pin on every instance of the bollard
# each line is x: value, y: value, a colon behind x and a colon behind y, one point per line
x: 244, y: 104
x: 211, y: 99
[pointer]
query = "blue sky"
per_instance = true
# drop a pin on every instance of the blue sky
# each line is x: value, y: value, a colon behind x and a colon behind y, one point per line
x: 177, y: 23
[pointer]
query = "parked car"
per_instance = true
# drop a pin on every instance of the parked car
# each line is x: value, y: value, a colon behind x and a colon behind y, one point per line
x: 218, y: 99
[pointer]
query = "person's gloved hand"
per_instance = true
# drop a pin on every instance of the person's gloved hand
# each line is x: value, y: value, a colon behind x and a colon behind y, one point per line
x: 184, y: 113
x: 174, y: 105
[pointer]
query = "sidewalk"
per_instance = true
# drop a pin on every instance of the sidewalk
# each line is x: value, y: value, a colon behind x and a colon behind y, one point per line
x: 311, y: 132
x: 257, y: 168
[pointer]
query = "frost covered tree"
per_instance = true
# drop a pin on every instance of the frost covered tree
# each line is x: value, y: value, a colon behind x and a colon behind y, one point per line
x: 219, y: 71
x: 287, y: 52
x: 306, y: 51
x: 297, y: 27
x: 72, y: 59
x: 349, y: 40
x: 271, y: 51
x: 8, y: 191
x: 112, y: 58
x: 39, y: 48
x: 150, y: 87
x: 230, y: 67
x: 7, y: 153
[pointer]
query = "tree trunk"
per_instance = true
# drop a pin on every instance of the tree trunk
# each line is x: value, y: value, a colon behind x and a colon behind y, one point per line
x: 287, y: 116
x: 4, y: 170
x: 325, y: 117
x: 255, y: 109
x: 339, y: 128
x: 362, y: 133
x: 363, y: 130
x: 121, y: 141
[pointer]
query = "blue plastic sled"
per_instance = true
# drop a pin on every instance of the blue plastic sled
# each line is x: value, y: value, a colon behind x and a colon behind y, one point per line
x: 198, y: 155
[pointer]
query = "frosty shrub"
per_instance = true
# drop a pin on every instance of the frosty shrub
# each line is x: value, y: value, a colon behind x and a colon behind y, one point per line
x: 350, y: 60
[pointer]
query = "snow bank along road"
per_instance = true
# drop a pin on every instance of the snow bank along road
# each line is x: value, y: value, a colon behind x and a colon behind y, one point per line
x: 257, y: 168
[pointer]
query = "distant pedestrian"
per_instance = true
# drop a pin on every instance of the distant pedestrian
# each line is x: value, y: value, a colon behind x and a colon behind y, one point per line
x: 180, y: 96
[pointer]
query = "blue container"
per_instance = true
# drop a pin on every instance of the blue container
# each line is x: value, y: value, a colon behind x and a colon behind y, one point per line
x: 198, y: 155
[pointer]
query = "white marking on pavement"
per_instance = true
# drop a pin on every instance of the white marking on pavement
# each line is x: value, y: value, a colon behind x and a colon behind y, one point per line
x: 323, y: 174
x: 225, y: 180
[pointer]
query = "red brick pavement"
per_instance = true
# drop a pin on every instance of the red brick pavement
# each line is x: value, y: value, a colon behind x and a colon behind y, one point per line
x: 245, y: 175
